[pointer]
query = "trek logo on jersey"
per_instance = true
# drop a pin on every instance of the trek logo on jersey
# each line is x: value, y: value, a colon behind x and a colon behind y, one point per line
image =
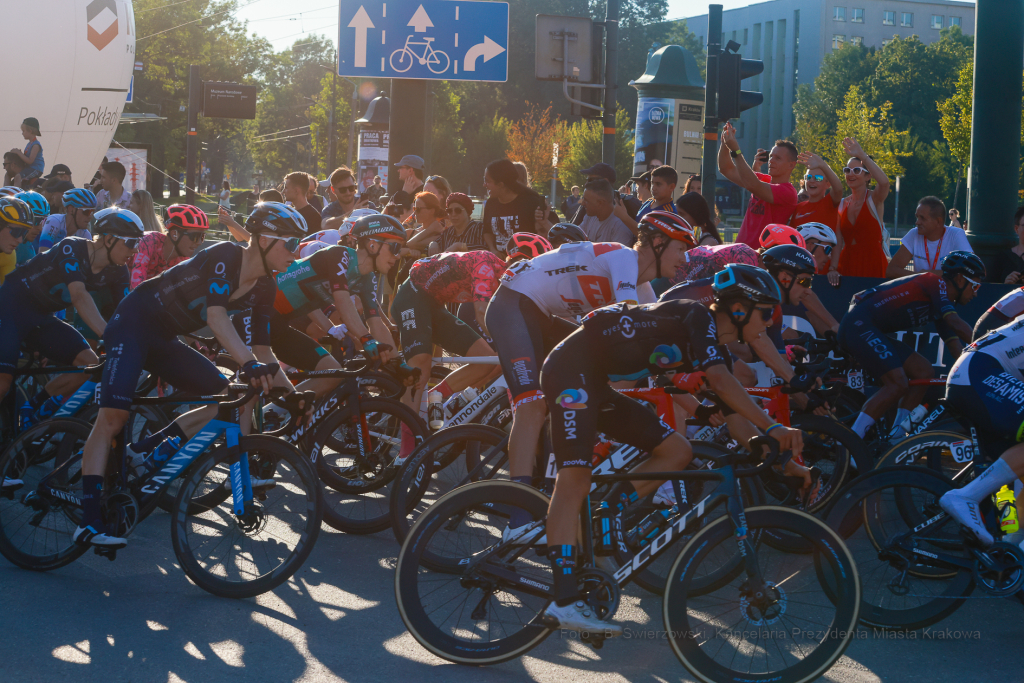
x: 576, y: 399
x: 666, y: 356
x: 567, y: 269
x: 521, y: 370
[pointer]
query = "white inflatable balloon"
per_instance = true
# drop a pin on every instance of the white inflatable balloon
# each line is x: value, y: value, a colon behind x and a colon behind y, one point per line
x: 69, y: 64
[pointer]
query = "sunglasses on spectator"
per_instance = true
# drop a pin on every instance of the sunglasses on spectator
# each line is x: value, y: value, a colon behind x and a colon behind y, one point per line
x: 974, y: 285
x: 432, y: 178
x: 814, y: 176
x: 856, y: 170
x: 423, y: 208
x: 18, y: 233
x: 455, y: 210
x: 290, y: 243
x: 394, y: 247
x: 344, y: 188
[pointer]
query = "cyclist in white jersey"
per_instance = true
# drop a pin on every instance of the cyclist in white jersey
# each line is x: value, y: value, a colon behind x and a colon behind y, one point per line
x: 986, y: 385
x: 526, y: 314
x: 1001, y: 312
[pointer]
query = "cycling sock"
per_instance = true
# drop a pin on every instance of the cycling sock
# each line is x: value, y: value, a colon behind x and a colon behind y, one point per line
x: 148, y: 443
x: 863, y: 423
x: 39, y: 399
x: 92, y: 489
x: 902, y: 415
x: 408, y: 442
x: 563, y: 568
x: 445, y: 390
x: 991, y: 480
x: 519, y: 516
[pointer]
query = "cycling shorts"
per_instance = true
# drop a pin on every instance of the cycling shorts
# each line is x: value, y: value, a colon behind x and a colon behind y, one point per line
x: 523, y: 337
x: 467, y: 314
x: 22, y: 323
x: 289, y: 345
x: 993, y: 403
x: 423, y: 322
x: 877, y: 352
x: 582, y: 404
x: 135, y: 341
x: 989, y: 321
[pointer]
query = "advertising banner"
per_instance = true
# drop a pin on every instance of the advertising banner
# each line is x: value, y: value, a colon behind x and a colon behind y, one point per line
x: 135, y: 162
x: 669, y: 131
x: 372, y: 157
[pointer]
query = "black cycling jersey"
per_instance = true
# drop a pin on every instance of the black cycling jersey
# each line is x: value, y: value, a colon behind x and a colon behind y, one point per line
x: 632, y: 342
x: 183, y: 293
x: 46, y: 277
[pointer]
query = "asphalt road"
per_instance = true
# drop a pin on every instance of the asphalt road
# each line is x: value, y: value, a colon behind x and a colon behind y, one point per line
x: 139, y: 619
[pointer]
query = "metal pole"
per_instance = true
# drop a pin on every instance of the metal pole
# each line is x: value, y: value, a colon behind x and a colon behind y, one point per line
x: 331, y: 142
x: 195, y: 96
x: 352, y: 124
x: 709, y: 166
x: 896, y: 226
x: 611, y: 67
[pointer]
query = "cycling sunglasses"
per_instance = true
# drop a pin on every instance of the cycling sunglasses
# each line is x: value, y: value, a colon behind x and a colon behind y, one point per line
x: 804, y: 281
x: 856, y: 170
x: 393, y: 246
x: 196, y: 236
x: 18, y: 233
x: 130, y: 242
x: 290, y: 243
x: 974, y: 285
x: 766, y: 313
x: 826, y: 247
x: 814, y: 176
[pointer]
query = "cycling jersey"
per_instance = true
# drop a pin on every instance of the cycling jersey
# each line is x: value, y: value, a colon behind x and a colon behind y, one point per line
x: 55, y: 229
x: 906, y: 302
x: 1001, y: 312
x: 576, y: 278
x: 310, y: 248
x: 458, y: 277
x: 47, y: 276
x: 331, y: 237
x: 310, y: 283
x: 1005, y: 344
x: 149, y: 258
x: 703, y: 262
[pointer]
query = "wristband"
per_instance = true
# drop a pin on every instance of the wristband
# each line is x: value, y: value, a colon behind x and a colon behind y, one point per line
x: 777, y: 424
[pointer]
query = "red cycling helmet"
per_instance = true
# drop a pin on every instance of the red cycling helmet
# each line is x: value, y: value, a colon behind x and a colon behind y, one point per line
x: 185, y: 217
x: 670, y: 224
x: 777, y: 234
x: 526, y: 245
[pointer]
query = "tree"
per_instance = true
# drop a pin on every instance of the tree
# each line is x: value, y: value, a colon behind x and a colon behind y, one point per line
x: 448, y: 148
x: 484, y: 144
x: 816, y: 108
x: 955, y: 115
x: 584, y: 141
x: 531, y: 140
x: 873, y: 128
x: 678, y: 33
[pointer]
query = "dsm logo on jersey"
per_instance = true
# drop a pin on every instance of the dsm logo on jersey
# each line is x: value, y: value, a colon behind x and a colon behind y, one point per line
x: 665, y: 356
x: 573, y: 399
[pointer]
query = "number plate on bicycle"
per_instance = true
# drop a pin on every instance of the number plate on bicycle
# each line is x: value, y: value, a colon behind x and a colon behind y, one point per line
x: 855, y: 379
x: 963, y: 451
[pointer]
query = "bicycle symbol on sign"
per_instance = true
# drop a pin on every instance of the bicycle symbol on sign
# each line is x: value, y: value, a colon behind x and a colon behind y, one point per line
x: 402, y: 58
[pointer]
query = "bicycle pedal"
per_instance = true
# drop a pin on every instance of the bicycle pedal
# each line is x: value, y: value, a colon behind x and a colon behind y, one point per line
x: 594, y: 640
x: 109, y: 553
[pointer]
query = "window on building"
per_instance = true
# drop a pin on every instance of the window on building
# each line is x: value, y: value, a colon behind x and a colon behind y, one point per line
x: 937, y: 21
x: 838, y: 41
x: 888, y: 18
x: 745, y: 36
x: 857, y: 40
x: 954, y: 21
x: 907, y: 19
x: 885, y: 42
x: 857, y: 15
x: 839, y: 14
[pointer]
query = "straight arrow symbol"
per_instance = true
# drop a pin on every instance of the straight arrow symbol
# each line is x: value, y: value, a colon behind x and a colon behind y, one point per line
x: 420, y: 21
x: 487, y: 49
x: 362, y: 23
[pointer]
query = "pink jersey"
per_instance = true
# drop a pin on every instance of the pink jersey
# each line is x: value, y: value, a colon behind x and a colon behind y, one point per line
x: 576, y: 278
x: 149, y: 259
x: 704, y: 262
x: 458, y: 277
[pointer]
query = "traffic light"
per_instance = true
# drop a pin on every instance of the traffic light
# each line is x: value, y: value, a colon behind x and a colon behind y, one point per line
x: 732, y: 69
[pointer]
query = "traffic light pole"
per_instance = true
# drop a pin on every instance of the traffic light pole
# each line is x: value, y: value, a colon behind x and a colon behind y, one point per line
x: 709, y: 167
x: 611, y: 67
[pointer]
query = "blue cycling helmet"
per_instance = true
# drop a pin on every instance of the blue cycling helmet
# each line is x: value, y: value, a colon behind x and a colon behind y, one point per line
x: 37, y: 202
x: 79, y: 198
x: 277, y: 220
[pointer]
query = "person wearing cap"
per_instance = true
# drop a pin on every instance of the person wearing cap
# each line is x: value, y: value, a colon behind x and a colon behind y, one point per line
x: 410, y: 172
x: 625, y: 208
x: 374, y: 192
x: 642, y: 186
x: 32, y: 157
x: 59, y: 172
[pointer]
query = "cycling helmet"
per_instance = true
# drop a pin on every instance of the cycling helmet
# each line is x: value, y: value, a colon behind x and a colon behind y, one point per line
x: 15, y: 213
x: 775, y: 234
x: 10, y: 190
x: 79, y: 198
x: 965, y: 263
x: 379, y: 227
x: 346, y: 225
x: 117, y: 221
x: 740, y: 282
x: 37, y: 202
x: 788, y: 257
x: 185, y: 217
x: 667, y: 223
x: 276, y: 220
x: 563, y: 233
x: 526, y: 245
x: 818, y: 231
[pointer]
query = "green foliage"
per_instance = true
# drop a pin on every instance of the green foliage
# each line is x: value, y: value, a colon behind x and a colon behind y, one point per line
x: 678, y: 33
x: 484, y: 143
x: 584, y: 140
x: 448, y: 148
x: 955, y: 115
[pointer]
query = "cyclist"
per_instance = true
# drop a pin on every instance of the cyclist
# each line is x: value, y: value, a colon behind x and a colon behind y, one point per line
x: 15, y: 222
x: 1007, y: 309
x: 186, y: 227
x: 202, y: 291
x: 986, y: 386
x: 563, y: 233
x: 704, y: 261
x: 626, y: 341
x: 793, y: 268
x: 40, y: 209
x: 51, y: 282
x: 79, y: 206
x: 529, y: 315
x: 822, y: 242
x: 778, y: 234
x: 900, y: 305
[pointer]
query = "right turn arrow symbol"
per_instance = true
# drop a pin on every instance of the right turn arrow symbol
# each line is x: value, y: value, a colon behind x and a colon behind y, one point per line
x: 487, y: 49
x: 361, y: 23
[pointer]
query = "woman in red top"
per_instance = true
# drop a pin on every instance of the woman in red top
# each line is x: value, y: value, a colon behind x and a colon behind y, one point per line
x: 860, y: 215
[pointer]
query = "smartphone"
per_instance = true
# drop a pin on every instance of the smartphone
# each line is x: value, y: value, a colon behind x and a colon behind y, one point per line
x: 762, y: 156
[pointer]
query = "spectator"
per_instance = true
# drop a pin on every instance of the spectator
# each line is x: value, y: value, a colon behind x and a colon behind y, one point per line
x: 571, y: 203
x: 343, y: 188
x: 663, y: 186
x: 692, y: 184
x: 251, y: 198
x: 642, y: 186
x: 13, y: 167
x: 32, y: 157
x: 522, y: 172
x: 113, y: 193
x: 225, y: 196
x: 510, y: 205
x: 626, y: 210
x: 439, y: 187
x: 601, y: 224
x: 1009, y: 263
x: 860, y: 216
x: 954, y: 218
x: 296, y: 185
x: 410, y: 173
x: 375, y: 191
x: 315, y: 200
x: 54, y: 191
x: 59, y: 172
x: 824, y: 192
x: 430, y: 214
x: 928, y: 242
x: 694, y: 209
x: 141, y: 204
x: 772, y: 197
x: 271, y: 195
x: 95, y: 185
x: 464, y: 233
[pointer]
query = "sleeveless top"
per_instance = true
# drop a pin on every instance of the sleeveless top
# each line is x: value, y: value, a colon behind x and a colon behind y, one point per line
x: 864, y: 254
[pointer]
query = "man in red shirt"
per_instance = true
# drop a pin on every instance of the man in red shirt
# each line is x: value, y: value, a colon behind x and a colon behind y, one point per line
x: 772, y: 196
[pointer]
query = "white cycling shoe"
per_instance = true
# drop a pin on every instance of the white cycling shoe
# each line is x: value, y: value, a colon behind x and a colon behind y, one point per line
x: 966, y: 512
x: 88, y: 535
x: 534, y: 537
x: 12, y: 484
x: 580, y: 617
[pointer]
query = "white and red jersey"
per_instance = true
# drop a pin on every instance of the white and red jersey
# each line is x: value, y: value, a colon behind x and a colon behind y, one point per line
x: 576, y: 278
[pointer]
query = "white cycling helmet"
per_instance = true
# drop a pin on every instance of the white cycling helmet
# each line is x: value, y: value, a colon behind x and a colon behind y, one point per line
x: 818, y: 231
x: 346, y: 226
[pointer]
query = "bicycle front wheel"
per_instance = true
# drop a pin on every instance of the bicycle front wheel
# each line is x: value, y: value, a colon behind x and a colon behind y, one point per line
x: 241, y: 556
x: 793, y: 633
x: 401, y: 60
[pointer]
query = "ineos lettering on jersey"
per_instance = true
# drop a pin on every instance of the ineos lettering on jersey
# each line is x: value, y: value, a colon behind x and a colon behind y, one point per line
x: 567, y: 269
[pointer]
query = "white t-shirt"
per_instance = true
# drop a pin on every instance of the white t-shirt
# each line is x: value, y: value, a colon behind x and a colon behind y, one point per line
x: 953, y: 239
x: 103, y: 200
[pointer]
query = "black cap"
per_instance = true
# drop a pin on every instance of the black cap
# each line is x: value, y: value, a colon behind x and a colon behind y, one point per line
x: 60, y: 186
x: 601, y: 170
x: 59, y: 168
x: 644, y: 177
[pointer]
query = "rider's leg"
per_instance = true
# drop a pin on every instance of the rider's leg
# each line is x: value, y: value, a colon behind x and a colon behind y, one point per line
x: 916, y: 367
x: 894, y: 387
x: 527, y: 423
x: 68, y: 383
x: 109, y: 423
x: 671, y: 455
x: 5, y: 384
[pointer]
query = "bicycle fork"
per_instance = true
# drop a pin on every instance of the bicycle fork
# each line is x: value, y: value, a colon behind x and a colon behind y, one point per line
x: 241, y: 481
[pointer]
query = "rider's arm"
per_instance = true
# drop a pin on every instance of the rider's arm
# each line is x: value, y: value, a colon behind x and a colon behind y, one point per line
x: 219, y: 323
x: 265, y: 355
x: 735, y: 396
x: 957, y: 326
x: 86, y: 307
x: 819, y: 316
x: 768, y: 354
x: 622, y: 272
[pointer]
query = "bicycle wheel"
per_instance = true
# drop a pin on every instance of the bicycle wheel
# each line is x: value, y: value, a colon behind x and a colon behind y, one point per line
x: 900, y: 590
x: 440, y: 464
x: 239, y: 557
x: 468, y: 617
x: 794, y: 635
x: 438, y: 62
x: 932, y: 449
x: 357, y: 462
x: 35, y: 529
x: 404, y: 61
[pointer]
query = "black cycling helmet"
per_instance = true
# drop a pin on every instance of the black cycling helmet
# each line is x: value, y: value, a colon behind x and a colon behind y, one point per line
x: 562, y: 233
x: 277, y: 220
x: 119, y: 222
x: 379, y: 227
x: 742, y: 282
x: 788, y: 257
x: 965, y: 263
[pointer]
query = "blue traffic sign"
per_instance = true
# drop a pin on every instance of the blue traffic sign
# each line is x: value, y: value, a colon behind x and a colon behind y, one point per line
x: 425, y: 39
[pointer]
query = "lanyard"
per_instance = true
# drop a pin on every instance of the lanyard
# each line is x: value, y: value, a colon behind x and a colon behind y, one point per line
x: 932, y: 265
